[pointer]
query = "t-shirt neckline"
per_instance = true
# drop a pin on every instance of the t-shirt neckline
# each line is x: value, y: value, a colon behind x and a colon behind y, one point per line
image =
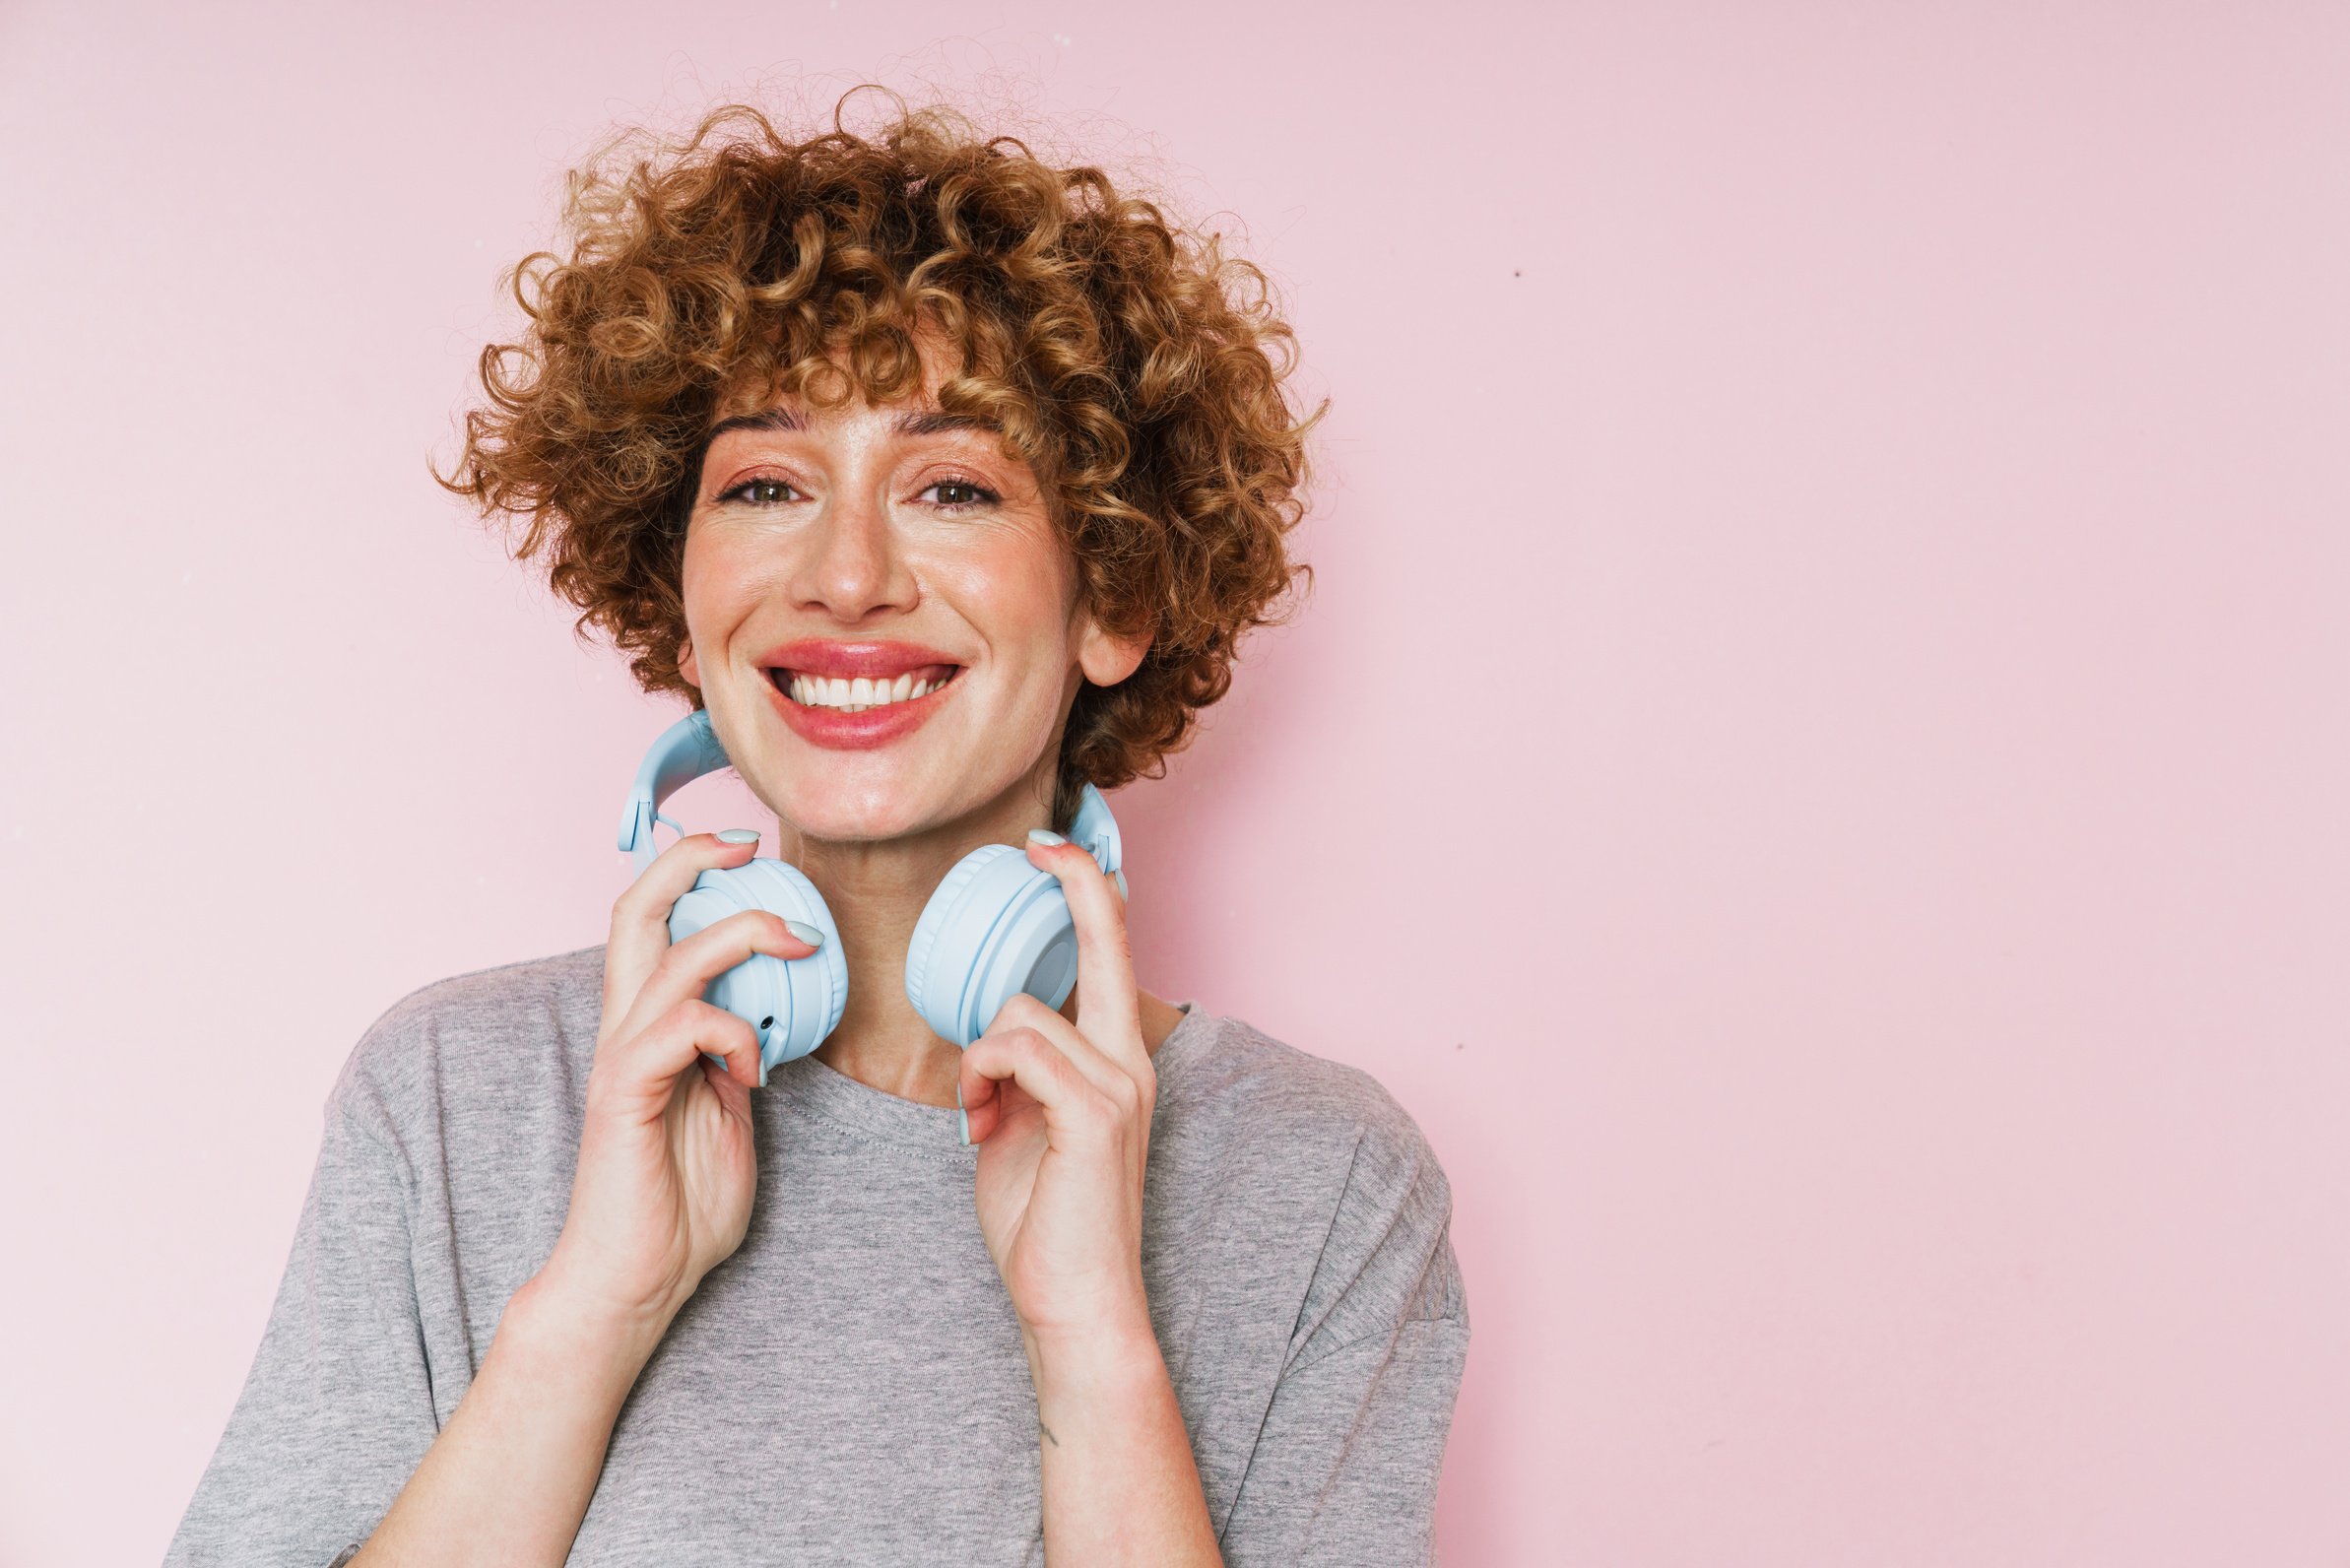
x: 809, y: 1085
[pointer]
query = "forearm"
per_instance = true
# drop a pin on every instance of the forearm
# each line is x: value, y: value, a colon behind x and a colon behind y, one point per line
x: 508, y: 1478
x: 1118, y: 1482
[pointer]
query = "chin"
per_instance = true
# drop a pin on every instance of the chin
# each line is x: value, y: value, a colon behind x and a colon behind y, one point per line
x: 929, y: 776
x: 863, y: 804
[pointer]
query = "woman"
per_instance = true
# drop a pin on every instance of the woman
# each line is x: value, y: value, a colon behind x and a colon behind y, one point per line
x: 921, y: 411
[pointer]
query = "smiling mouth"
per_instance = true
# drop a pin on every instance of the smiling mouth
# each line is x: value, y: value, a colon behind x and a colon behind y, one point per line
x: 844, y: 695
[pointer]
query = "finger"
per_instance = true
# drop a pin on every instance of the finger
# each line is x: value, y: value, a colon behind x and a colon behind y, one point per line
x: 733, y: 1093
x: 636, y: 1073
x: 1109, y: 1014
x: 640, y: 915
x: 684, y: 969
x: 1078, y: 1116
x: 1132, y: 1090
x: 1113, y: 1075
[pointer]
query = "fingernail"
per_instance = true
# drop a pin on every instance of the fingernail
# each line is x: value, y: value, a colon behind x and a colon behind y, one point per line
x: 963, y: 1130
x: 805, y: 931
x: 762, y: 1070
x: 738, y: 835
x: 1045, y: 836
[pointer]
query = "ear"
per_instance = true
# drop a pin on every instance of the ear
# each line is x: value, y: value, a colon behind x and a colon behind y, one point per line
x: 1105, y: 659
x: 686, y: 665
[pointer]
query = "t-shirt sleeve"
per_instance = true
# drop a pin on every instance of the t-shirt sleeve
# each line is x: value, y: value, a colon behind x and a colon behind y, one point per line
x: 1345, y: 1465
x: 337, y: 1410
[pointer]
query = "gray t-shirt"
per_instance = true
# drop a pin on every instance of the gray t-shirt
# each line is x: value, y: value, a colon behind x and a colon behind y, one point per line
x: 849, y: 1387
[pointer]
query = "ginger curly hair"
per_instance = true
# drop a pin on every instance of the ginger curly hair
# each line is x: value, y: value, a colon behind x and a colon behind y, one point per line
x: 1138, y: 369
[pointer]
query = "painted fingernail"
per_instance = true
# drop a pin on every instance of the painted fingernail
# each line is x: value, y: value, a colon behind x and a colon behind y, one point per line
x: 762, y: 1070
x: 1045, y: 836
x: 963, y: 1129
x: 738, y: 835
x: 805, y: 931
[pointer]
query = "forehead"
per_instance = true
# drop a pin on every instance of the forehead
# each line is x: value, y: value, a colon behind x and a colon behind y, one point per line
x: 906, y: 418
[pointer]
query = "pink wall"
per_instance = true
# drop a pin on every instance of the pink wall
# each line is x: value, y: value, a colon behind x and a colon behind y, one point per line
x: 1815, y: 767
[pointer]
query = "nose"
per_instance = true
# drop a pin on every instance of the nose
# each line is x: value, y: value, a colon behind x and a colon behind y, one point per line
x: 852, y: 564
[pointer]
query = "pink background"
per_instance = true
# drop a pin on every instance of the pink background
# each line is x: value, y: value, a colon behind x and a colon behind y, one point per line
x: 1815, y: 767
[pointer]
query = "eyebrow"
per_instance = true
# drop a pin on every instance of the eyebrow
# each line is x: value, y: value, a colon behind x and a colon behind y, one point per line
x: 931, y: 422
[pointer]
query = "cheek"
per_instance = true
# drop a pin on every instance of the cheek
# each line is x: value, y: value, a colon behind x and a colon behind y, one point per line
x: 718, y: 585
x: 1017, y: 601
x: 1019, y: 584
x: 694, y: 576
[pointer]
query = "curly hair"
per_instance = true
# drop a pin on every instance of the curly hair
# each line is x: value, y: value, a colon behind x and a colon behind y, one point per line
x: 1138, y: 369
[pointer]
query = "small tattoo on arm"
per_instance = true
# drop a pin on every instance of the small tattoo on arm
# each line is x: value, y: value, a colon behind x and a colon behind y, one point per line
x: 1047, y: 1434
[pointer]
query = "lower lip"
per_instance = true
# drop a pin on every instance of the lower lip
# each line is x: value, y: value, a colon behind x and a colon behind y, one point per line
x: 860, y: 732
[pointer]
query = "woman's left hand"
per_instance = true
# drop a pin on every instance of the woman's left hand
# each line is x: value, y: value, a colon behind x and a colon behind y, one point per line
x: 1061, y: 1112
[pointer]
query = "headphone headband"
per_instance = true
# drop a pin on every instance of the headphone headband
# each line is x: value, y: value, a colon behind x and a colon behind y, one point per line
x: 1096, y: 830
x: 681, y: 753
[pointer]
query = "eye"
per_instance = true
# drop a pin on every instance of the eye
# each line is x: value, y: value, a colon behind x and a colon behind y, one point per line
x: 960, y: 494
x: 765, y: 491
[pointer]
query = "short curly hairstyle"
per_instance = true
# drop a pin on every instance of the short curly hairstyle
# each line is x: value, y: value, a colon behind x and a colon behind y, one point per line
x: 1137, y: 369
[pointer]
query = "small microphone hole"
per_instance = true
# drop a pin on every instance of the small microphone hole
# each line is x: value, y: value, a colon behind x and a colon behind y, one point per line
x: 768, y: 1022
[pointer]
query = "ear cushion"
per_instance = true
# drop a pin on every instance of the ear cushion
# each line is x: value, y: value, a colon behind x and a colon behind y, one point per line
x: 938, y: 914
x: 792, y: 1002
x: 997, y: 926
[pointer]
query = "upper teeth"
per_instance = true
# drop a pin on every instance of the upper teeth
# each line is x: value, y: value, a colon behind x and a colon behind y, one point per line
x: 818, y: 693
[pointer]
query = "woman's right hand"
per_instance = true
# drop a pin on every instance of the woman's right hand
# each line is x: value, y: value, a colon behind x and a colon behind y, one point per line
x: 662, y: 1193
x: 667, y: 1169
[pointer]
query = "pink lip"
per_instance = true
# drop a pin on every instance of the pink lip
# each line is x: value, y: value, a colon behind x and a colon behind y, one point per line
x: 875, y: 726
x: 872, y: 659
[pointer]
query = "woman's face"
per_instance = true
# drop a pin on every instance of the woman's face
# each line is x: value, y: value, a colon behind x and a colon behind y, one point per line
x: 898, y: 548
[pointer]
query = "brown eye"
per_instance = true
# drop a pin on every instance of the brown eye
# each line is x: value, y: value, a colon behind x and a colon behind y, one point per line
x: 957, y: 493
x: 759, y: 491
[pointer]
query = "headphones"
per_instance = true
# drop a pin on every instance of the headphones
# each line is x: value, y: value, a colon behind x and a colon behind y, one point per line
x: 996, y: 926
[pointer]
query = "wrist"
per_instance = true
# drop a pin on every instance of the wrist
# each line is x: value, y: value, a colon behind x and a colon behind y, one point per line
x: 1105, y: 1353
x: 546, y: 1320
x: 577, y: 1274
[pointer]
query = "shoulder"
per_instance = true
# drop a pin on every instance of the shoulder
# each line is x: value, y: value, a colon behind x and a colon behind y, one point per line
x: 1307, y: 1132
x: 1227, y: 1071
x: 485, y: 1042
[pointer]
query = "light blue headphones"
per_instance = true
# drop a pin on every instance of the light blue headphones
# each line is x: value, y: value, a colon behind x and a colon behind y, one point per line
x: 996, y: 926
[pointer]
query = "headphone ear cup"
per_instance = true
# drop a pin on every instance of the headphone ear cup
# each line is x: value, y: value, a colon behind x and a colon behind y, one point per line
x: 923, y: 948
x: 790, y: 1003
x: 996, y: 927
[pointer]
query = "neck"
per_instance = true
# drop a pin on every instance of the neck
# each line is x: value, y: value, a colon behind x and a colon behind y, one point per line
x: 876, y: 889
